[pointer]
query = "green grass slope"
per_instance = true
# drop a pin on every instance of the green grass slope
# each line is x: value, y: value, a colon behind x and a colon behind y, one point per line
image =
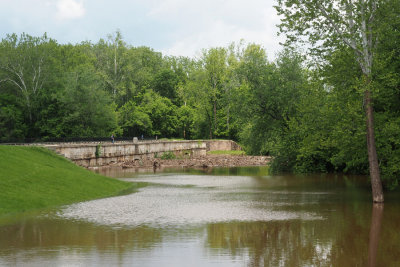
x: 35, y: 178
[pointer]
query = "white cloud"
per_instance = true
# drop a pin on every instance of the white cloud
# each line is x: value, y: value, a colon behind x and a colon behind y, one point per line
x: 211, y: 23
x: 69, y: 9
x: 174, y: 27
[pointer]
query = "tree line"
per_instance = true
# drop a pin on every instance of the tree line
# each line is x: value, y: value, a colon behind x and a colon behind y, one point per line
x: 51, y: 90
x: 307, y: 110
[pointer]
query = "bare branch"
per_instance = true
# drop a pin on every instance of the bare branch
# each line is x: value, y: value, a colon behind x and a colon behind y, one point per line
x: 371, y: 19
x: 366, y: 49
x: 4, y: 80
x: 22, y: 86
x: 34, y: 76
x: 36, y: 83
x: 341, y: 34
x: 350, y: 16
x: 373, y: 12
x: 14, y: 82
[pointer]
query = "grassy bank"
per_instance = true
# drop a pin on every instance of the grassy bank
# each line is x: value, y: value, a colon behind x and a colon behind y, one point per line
x: 227, y: 152
x: 34, y: 178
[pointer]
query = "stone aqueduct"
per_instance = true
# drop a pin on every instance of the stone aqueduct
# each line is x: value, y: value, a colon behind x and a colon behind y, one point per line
x: 99, y: 154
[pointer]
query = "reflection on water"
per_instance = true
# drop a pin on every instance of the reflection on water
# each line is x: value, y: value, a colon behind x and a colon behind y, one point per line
x: 374, y: 232
x: 192, y: 200
x: 226, y: 217
x: 119, y: 172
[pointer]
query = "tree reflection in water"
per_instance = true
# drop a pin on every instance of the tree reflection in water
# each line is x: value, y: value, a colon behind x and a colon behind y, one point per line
x: 45, y: 233
x: 346, y: 233
x: 374, y: 233
x: 339, y: 242
x: 276, y: 243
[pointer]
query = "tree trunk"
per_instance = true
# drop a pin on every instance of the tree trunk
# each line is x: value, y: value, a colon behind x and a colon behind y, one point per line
x: 215, y: 116
x: 209, y: 116
x: 376, y: 183
x: 227, y: 122
x: 28, y: 104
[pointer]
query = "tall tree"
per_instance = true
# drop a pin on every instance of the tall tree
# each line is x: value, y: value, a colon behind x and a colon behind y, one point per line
x: 185, y: 120
x: 215, y: 64
x: 112, y: 61
x: 329, y: 24
x: 24, y: 63
x: 88, y: 108
x: 165, y: 83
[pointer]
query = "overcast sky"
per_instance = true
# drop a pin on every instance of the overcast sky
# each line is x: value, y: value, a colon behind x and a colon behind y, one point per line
x: 174, y: 27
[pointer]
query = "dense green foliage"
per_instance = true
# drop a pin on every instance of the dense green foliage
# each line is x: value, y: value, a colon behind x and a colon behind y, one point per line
x: 35, y: 178
x: 307, y: 114
x: 49, y: 90
x: 355, y: 45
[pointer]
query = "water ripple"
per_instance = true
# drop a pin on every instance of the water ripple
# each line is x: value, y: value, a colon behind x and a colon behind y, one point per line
x: 212, y: 200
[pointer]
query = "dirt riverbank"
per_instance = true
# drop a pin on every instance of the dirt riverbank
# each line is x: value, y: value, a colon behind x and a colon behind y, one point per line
x: 203, y: 162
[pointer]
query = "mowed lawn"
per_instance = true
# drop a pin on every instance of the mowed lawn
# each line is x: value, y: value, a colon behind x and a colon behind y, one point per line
x: 34, y: 178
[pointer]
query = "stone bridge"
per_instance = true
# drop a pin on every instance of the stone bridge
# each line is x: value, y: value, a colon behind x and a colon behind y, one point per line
x: 99, y: 154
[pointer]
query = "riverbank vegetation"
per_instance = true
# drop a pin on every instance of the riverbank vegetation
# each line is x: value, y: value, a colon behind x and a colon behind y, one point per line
x: 227, y: 152
x: 33, y: 178
x: 305, y: 110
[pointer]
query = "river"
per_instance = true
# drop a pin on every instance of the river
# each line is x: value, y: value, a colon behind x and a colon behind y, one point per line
x: 214, y: 217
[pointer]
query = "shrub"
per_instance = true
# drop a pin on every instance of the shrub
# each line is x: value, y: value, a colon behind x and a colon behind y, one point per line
x: 168, y: 155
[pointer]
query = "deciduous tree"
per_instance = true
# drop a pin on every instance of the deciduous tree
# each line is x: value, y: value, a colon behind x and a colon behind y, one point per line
x: 329, y: 24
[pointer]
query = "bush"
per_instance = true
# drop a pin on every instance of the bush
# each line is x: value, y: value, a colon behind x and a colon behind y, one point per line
x: 168, y: 155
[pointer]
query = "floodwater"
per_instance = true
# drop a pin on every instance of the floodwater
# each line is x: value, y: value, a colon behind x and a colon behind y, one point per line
x: 218, y: 217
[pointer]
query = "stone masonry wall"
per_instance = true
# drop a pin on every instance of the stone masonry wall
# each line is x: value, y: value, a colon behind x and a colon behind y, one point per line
x: 92, y: 154
x: 213, y: 145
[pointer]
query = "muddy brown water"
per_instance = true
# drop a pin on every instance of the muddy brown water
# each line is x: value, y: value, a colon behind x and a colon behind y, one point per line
x: 214, y: 217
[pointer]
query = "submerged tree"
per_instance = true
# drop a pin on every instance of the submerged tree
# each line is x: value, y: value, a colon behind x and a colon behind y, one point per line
x: 330, y: 24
